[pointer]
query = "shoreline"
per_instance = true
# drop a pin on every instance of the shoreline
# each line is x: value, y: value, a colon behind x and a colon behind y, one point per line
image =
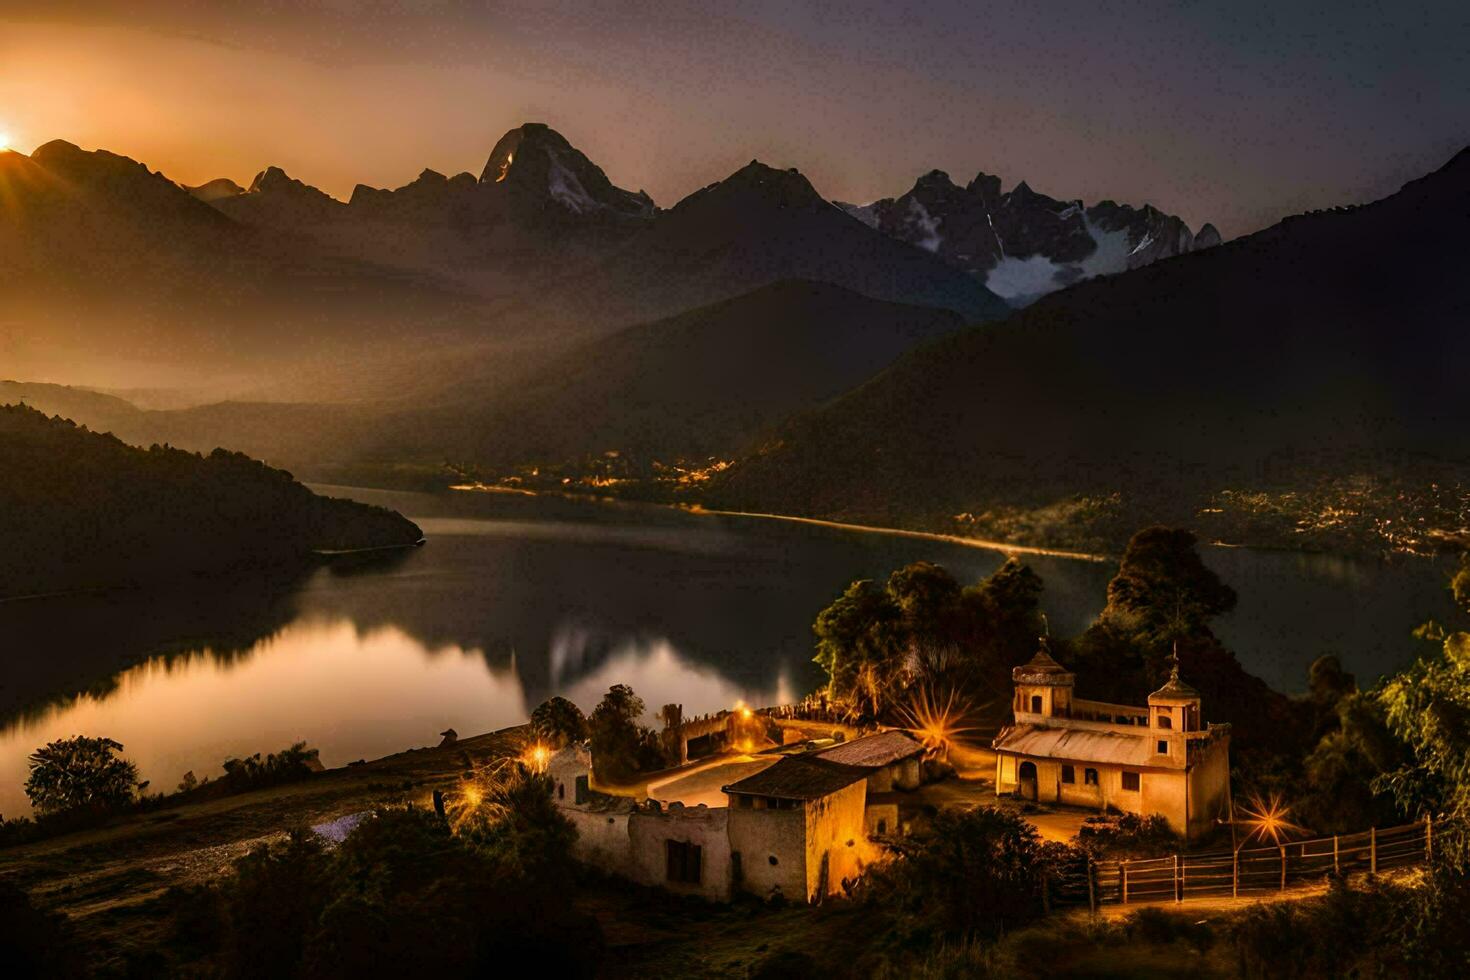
x: 698, y: 509
x: 979, y: 543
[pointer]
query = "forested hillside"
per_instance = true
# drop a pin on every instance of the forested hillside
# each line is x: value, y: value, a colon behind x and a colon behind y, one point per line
x: 82, y: 510
x: 1320, y: 363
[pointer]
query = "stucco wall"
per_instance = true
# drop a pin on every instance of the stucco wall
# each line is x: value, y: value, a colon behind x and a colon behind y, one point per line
x: 834, y: 828
x: 759, y: 835
x: 649, y: 833
x: 602, y: 838
x: 1209, y: 787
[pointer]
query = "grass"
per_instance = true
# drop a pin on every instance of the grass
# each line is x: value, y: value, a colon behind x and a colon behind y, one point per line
x: 110, y: 880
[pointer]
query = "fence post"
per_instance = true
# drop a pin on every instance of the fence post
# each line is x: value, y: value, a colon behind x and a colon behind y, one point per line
x: 1429, y: 838
x: 1091, y: 891
x: 1123, y: 870
x: 1282, y: 849
x: 1336, y: 864
x: 1235, y: 875
x: 1373, y: 849
x: 1178, y: 881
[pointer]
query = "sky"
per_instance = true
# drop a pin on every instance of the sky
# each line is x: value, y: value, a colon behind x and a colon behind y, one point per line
x: 1236, y: 113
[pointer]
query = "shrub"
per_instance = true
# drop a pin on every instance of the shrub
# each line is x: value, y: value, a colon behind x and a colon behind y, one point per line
x: 81, y: 774
x: 34, y: 943
x: 969, y: 873
x: 404, y: 895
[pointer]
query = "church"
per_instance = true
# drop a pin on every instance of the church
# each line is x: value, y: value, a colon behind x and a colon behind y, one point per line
x: 1154, y: 760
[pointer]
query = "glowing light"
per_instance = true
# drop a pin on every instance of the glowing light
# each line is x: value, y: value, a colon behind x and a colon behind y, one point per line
x: 938, y: 720
x: 4, y: 140
x: 536, y: 757
x: 505, y: 167
x: 1268, y: 819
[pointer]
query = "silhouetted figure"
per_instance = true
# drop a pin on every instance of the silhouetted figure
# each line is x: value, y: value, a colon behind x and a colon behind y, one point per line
x: 450, y: 737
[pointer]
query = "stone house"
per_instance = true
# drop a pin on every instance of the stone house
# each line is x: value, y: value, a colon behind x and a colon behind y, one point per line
x: 1158, y: 759
x: 798, y: 827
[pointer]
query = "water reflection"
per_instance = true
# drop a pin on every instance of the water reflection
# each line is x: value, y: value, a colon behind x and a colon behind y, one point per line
x: 350, y: 693
x: 515, y: 599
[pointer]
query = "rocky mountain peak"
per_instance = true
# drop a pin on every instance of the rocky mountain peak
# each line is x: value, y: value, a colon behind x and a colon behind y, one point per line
x: 1207, y: 237
x: 782, y: 188
x: 537, y: 164
x: 1023, y: 244
x: 216, y: 190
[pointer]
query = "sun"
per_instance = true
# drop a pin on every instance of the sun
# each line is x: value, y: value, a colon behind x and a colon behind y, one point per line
x: 4, y: 140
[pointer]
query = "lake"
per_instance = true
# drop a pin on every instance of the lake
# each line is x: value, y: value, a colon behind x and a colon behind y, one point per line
x: 516, y: 598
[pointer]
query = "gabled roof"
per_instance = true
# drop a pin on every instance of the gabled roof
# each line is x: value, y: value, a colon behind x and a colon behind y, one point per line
x: 873, y: 751
x: 799, y: 777
x: 1078, y: 745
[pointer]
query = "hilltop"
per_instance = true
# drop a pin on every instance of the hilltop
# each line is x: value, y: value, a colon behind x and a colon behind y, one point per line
x: 84, y: 510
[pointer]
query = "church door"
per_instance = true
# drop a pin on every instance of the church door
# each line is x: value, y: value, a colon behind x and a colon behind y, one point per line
x: 1028, y: 780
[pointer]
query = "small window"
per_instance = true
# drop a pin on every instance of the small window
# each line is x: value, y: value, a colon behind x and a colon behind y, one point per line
x: 1165, y: 721
x: 683, y: 861
x: 583, y: 791
x: 1130, y: 781
x: 1036, y: 704
x: 1163, y: 746
x: 773, y: 860
x: 1069, y: 775
x: 561, y: 791
x: 1089, y: 777
x: 882, y: 826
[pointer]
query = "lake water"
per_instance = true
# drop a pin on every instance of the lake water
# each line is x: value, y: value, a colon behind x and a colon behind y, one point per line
x: 515, y: 598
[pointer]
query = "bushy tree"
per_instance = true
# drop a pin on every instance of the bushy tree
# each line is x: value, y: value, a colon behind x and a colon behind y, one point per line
x: 1163, y: 600
x: 80, y: 774
x: 405, y: 894
x: 1427, y: 707
x: 621, y: 746
x: 922, y: 628
x: 973, y: 873
x: 558, y: 722
x: 1165, y: 588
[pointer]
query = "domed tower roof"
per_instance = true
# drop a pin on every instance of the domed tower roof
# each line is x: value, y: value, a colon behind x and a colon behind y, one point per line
x: 1042, y: 669
x: 1174, y: 689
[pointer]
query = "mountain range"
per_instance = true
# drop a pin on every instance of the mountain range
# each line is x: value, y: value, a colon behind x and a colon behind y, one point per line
x: 116, y: 276
x: 834, y: 360
x: 1332, y: 343
x: 1022, y: 244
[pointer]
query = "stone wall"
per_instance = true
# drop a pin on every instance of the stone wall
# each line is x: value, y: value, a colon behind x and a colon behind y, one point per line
x: 649, y: 830
x: 772, y: 852
x: 834, y: 834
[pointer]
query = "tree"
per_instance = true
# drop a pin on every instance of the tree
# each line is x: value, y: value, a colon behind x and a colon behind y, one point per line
x: 1165, y: 589
x: 970, y: 874
x: 877, y: 643
x: 621, y: 747
x: 857, y: 638
x: 558, y: 722
x: 80, y: 773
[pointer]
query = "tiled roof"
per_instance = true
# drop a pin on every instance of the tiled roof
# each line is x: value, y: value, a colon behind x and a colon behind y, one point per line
x: 1076, y: 744
x: 873, y: 751
x: 1042, y: 669
x: 799, y: 777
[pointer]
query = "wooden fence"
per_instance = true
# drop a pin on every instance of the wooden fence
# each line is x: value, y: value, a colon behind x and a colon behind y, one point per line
x: 1247, y: 871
